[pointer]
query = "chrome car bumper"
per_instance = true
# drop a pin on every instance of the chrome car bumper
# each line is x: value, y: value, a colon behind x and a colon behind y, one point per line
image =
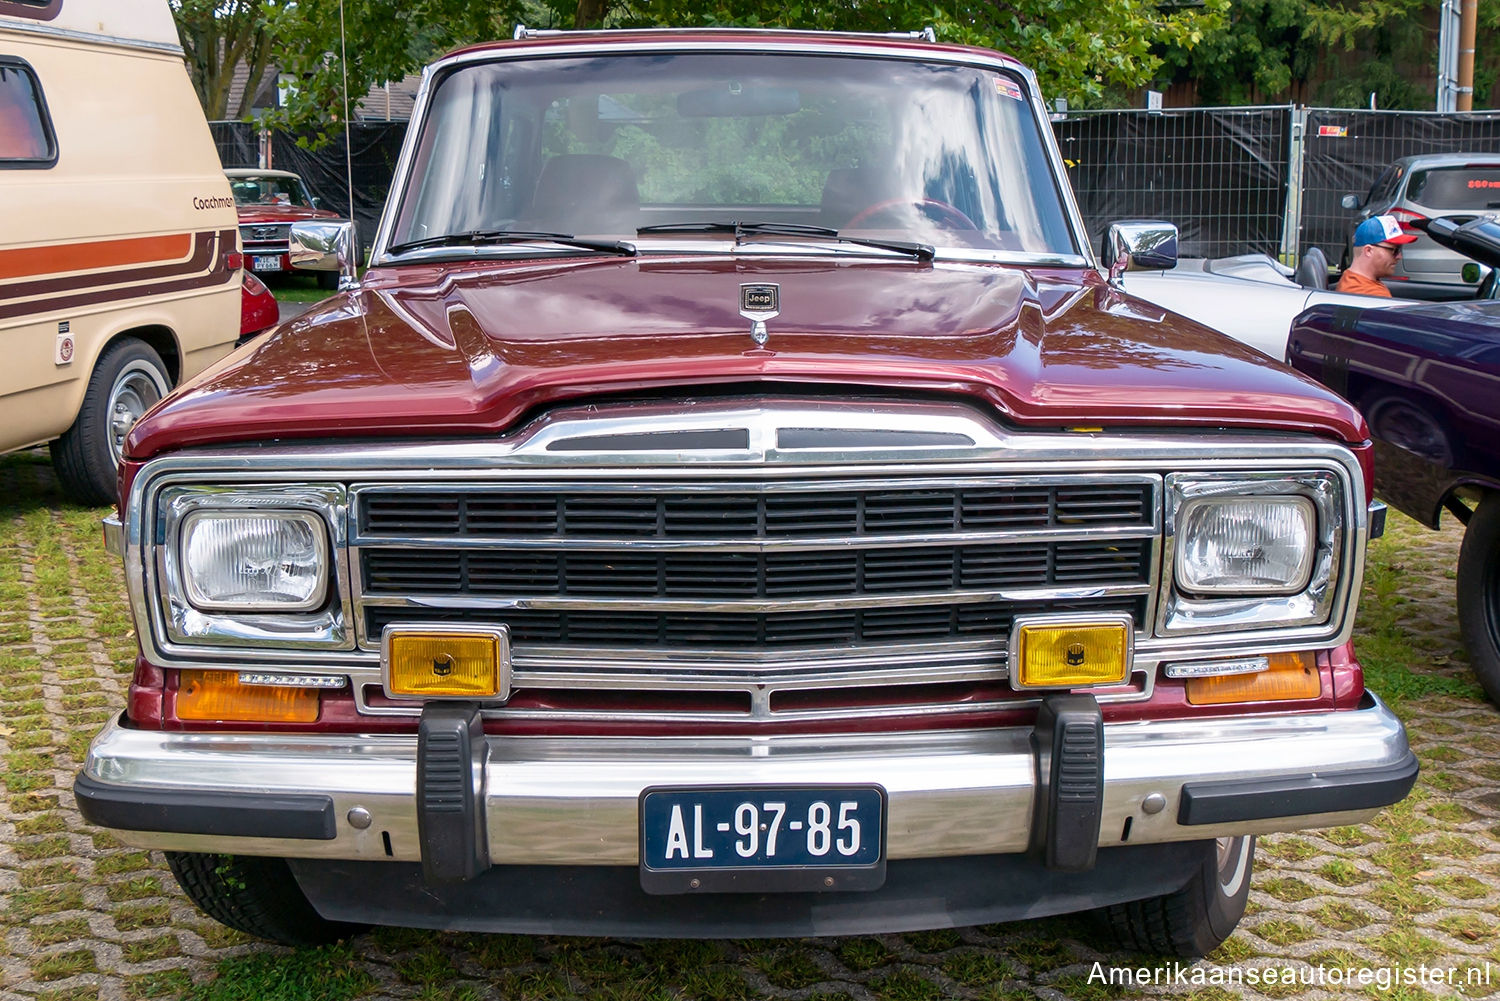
x: 574, y: 801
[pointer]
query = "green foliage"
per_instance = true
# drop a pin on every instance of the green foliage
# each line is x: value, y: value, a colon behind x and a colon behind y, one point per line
x: 1329, y: 52
x: 1079, y: 48
x: 385, y: 40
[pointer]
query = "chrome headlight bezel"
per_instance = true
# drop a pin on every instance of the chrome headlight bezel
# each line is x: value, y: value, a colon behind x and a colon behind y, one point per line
x: 1180, y: 612
x: 187, y: 620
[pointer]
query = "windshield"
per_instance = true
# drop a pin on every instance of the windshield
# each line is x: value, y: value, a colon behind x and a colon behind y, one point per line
x: 606, y: 146
x: 1456, y: 187
x: 269, y: 191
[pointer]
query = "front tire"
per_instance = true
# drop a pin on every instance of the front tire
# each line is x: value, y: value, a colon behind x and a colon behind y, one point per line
x: 128, y: 380
x: 1196, y: 919
x: 1479, y: 594
x: 258, y: 896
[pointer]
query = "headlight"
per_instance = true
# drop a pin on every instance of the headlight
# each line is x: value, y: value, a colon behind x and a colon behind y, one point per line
x: 255, y: 567
x: 1254, y: 551
x: 254, y: 561
x: 1245, y: 545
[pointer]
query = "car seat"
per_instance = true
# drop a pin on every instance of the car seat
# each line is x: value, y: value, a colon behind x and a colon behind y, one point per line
x: 586, y: 193
x: 1312, y: 270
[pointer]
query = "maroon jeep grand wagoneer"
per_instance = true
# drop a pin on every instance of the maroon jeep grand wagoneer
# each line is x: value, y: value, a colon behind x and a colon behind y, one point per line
x: 735, y: 502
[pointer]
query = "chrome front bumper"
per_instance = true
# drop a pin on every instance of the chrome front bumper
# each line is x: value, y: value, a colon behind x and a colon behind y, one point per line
x: 573, y: 801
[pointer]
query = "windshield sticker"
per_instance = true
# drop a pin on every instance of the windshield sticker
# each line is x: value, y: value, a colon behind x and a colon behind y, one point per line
x: 1008, y: 88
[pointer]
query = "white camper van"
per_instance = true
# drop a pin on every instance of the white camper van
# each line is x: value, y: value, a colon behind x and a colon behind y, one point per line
x: 119, y: 260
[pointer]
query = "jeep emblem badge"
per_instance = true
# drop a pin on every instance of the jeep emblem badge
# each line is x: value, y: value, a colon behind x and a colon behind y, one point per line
x: 759, y: 303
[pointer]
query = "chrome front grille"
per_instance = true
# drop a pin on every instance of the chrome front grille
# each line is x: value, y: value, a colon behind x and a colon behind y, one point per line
x: 759, y: 585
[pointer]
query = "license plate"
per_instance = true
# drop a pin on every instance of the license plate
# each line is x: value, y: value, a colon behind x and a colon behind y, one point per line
x: 758, y: 839
x: 272, y: 263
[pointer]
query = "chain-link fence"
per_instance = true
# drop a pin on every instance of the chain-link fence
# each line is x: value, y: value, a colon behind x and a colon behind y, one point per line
x: 1234, y: 180
x: 1219, y: 173
x: 1345, y: 151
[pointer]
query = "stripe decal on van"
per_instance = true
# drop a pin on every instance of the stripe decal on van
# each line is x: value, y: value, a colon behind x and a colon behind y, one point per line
x: 28, y: 262
x: 167, y: 270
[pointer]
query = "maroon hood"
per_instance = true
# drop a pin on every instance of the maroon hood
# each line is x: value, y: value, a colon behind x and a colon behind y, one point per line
x: 432, y: 350
x: 281, y: 213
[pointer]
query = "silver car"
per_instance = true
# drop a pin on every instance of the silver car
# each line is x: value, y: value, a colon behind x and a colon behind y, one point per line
x: 1417, y: 188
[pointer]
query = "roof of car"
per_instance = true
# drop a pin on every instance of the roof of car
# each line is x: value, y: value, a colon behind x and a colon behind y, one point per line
x: 1451, y: 159
x: 253, y: 172
x: 904, y: 42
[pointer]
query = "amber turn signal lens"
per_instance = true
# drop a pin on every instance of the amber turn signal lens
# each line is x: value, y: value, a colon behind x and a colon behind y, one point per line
x: 218, y: 695
x: 1073, y: 654
x: 446, y: 664
x: 1290, y: 676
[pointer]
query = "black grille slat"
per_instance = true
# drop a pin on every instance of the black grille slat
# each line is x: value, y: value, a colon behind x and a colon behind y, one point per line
x: 889, y: 541
x: 729, y: 576
x: 989, y: 621
x: 750, y: 515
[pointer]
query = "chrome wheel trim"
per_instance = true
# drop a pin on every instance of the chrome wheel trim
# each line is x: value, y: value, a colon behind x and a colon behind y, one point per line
x: 137, y: 389
x: 1233, y: 856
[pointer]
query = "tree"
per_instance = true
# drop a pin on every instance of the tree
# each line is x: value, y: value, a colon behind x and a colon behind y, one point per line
x: 1079, y: 48
x: 386, y: 39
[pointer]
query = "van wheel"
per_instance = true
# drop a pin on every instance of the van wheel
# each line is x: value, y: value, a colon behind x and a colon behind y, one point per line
x: 328, y: 281
x: 1193, y: 921
x: 1479, y: 593
x: 126, y: 382
x: 258, y: 896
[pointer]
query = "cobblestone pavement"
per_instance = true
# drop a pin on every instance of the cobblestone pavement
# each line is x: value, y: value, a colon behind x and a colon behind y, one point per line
x: 85, y: 917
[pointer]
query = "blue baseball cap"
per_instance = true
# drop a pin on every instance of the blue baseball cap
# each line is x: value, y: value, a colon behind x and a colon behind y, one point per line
x: 1381, y: 229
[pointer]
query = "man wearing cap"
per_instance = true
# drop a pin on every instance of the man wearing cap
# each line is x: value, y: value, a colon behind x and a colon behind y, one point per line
x: 1377, y: 245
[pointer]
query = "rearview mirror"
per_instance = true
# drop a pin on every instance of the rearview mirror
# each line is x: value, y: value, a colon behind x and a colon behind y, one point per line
x: 325, y: 246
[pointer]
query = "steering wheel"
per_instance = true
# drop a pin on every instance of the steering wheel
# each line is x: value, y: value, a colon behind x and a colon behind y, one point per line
x: 943, y: 209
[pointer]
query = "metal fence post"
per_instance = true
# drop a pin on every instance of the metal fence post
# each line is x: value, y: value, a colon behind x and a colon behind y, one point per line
x: 1291, y: 223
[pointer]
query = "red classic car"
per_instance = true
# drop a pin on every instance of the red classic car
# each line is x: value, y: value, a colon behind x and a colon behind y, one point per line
x: 268, y: 202
x: 735, y: 502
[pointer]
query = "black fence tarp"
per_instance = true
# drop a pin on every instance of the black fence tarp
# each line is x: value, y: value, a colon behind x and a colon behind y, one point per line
x: 238, y: 143
x: 1345, y: 150
x: 375, y: 144
x: 1219, y: 173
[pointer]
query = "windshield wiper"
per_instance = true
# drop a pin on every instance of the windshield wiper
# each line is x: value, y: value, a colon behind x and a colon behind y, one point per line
x: 921, y: 251
x: 475, y: 237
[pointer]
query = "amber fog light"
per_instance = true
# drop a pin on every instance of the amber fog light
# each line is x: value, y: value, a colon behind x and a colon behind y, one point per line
x: 446, y: 663
x: 1070, y: 652
x: 1289, y: 676
x: 219, y: 695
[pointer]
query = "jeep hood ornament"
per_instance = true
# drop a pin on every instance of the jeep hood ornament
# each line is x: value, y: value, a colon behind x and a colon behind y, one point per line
x: 760, y: 302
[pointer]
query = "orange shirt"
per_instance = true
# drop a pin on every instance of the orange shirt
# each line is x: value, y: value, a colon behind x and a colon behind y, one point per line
x: 1360, y: 285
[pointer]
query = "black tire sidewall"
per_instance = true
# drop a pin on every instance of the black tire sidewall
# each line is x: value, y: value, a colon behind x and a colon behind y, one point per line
x: 1225, y: 890
x: 82, y: 455
x: 1479, y: 594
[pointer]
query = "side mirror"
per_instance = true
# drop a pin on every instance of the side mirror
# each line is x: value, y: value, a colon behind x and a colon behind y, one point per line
x: 1350, y: 201
x: 1140, y: 245
x: 326, y: 246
